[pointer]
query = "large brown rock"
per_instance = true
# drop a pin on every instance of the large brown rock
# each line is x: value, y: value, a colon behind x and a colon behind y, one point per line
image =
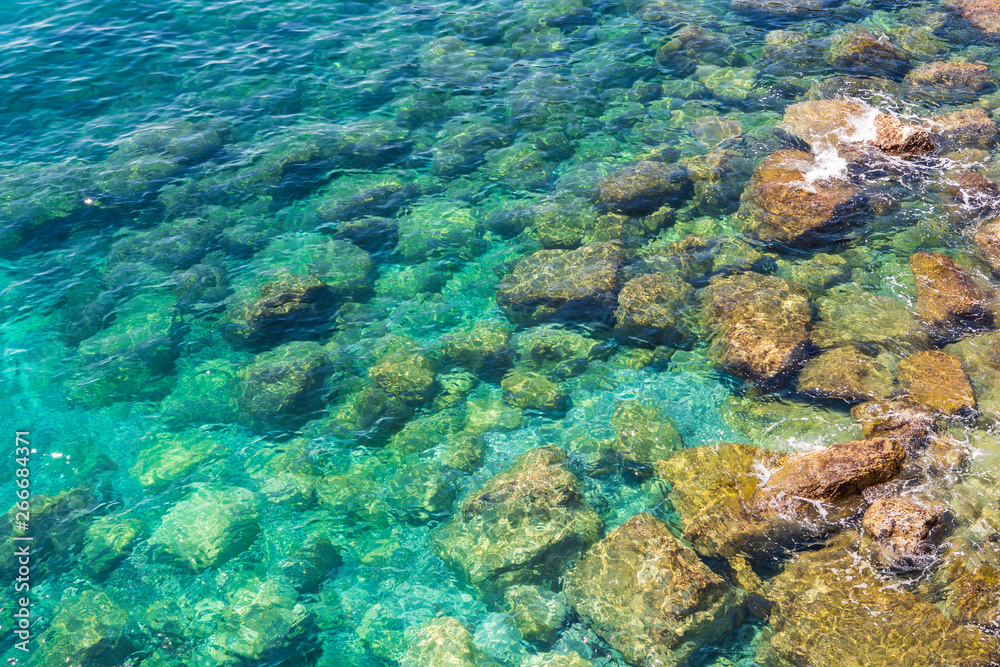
x: 947, y: 296
x: 893, y: 137
x: 759, y: 325
x: 650, y: 596
x: 642, y: 188
x: 910, y: 425
x: 580, y: 285
x: 829, y: 475
x: 522, y: 526
x: 845, y: 373
x: 784, y: 204
x: 826, y: 123
x: 655, y: 309
x: 904, y: 533
x: 936, y: 381
x: 832, y: 611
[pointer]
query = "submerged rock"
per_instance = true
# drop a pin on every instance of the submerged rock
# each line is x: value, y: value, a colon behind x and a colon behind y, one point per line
x: 440, y: 642
x: 759, y: 325
x: 577, y: 285
x: 406, y: 374
x: 207, y: 528
x: 947, y: 296
x: 655, y: 309
x: 168, y: 457
x: 936, y: 381
x: 642, y: 188
x: 849, y: 315
x: 533, y: 391
x: 965, y: 128
x: 718, y: 178
x: 860, y: 51
x: 847, y: 374
x: 952, y: 81
x: 288, y: 308
x: 710, y: 487
x: 831, y: 611
x: 522, y: 526
x: 777, y: 7
x: 650, y: 596
x: 538, y: 613
x: 86, y: 629
x: 483, y: 349
x: 827, y: 123
x: 905, y: 534
x: 644, y: 433
x: 910, y: 425
x: 974, y: 598
x: 783, y: 203
x: 109, y: 541
x: 836, y: 473
x: 983, y: 16
x: 283, y: 388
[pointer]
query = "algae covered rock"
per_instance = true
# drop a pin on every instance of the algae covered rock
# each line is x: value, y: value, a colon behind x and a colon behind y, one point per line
x: 905, y: 533
x: 650, y: 596
x: 965, y: 128
x: 537, y: 612
x: 947, y: 296
x: 484, y: 348
x: 861, y: 51
x: 644, y: 433
x: 655, y: 309
x: 837, y: 473
x: 831, y: 611
x: 406, y: 374
x: 936, y: 381
x: 282, y: 388
x: 202, y: 393
x: 982, y: 16
x: 910, y: 425
x: 759, y: 325
x: 167, y: 457
x: 521, y: 527
x: 845, y: 373
x: 642, y: 188
x: 987, y: 239
x: 285, y: 473
x: 87, y: 629
x: 533, y: 391
x: 109, y: 541
x: 207, y: 528
x: 952, y: 81
x: 441, y: 642
x: 848, y: 315
x: 786, y: 203
x: 289, y: 307
x: 974, y: 598
x: 577, y: 285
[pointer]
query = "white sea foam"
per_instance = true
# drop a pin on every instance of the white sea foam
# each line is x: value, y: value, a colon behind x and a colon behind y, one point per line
x: 827, y: 165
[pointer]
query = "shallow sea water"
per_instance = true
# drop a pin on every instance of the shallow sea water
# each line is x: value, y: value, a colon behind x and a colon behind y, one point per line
x: 393, y: 162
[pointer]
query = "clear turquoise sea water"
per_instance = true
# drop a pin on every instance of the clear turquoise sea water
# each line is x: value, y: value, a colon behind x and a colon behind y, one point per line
x: 160, y: 162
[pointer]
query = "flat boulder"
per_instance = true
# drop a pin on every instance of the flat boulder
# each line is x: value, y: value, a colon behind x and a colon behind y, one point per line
x: 580, y: 285
x: 837, y: 473
x: 759, y: 325
x: 947, y: 296
x: 642, y: 188
x: 789, y: 201
x: 936, y: 381
x: 521, y: 526
x: 951, y: 81
x: 655, y: 309
x: 904, y: 534
x: 846, y: 374
x: 650, y: 596
x: 831, y: 610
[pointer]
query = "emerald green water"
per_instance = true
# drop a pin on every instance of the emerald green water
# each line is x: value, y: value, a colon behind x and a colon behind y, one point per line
x: 162, y: 162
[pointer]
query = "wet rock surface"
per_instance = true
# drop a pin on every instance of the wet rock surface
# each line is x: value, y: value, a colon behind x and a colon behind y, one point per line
x: 783, y: 204
x: 562, y: 284
x: 655, y: 309
x: 936, y: 381
x: 521, y: 526
x: 947, y: 296
x: 759, y: 324
x: 905, y: 533
x: 649, y: 595
x: 846, y: 374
